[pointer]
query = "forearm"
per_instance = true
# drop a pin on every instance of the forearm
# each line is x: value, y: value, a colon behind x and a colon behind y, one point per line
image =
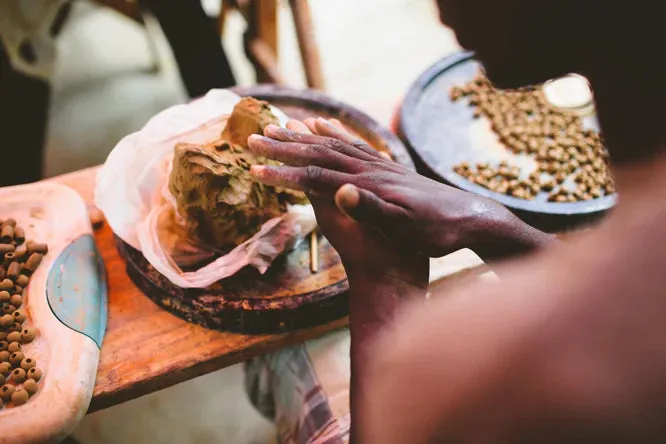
x: 373, y: 304
x: 509, y: 238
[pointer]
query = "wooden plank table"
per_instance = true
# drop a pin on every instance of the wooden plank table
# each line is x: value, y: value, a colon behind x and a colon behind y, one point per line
x: 147, y: 349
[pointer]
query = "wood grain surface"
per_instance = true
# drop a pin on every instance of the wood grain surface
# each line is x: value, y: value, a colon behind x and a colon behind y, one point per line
x: 287, y: 297
x: 146, y: 348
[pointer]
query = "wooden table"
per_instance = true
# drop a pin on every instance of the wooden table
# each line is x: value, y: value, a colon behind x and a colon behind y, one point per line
x: 147, y: 349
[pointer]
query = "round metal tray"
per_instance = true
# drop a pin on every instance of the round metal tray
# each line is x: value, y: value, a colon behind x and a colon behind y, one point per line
x: 440, y: 134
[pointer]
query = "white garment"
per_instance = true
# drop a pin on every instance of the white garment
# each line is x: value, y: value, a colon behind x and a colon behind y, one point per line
x: 29, y: 21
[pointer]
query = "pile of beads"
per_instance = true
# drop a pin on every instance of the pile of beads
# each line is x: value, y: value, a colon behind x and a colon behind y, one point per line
x: 19, y: 374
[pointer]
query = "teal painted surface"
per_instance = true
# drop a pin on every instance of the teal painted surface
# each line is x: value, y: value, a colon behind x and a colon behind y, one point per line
x: 76, y: 289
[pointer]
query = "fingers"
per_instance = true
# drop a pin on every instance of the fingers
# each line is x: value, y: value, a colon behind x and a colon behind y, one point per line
x: 310, y: 179
x: 298, y: 126
x: 299, y: 148
x: 298, y: 154
x: 311, y: 123
x: 326, y: 128
x: 367, y: 208
x: 343, y: 134
x: 332, y: 143
x: 336, y: 130
x: 385, y: 155
x: 338, y: 124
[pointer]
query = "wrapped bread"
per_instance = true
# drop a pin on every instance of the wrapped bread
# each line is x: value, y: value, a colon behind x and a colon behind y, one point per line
x: 220, y: 202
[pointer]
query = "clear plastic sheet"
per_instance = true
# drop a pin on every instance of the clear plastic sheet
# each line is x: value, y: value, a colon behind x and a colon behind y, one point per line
x: 132, y: 193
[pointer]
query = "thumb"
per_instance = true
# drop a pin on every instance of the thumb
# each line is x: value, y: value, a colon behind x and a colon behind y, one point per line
x: 365, y: 207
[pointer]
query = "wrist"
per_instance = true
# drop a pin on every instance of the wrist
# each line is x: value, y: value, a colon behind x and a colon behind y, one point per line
x: 504, y: 235
x: 405, y: 278
x: 376, y: 296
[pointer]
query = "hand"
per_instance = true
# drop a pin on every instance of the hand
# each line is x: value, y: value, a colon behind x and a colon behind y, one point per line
x: 381, y: 276
x: 410, y: 211
x: 364, y: 251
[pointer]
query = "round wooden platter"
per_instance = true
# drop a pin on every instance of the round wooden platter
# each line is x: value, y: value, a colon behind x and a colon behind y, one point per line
x: 440, y: 134
x: 66, y: 303
x: 288, y: 296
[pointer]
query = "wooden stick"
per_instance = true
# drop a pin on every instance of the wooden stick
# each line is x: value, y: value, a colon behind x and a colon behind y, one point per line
x: 264, y: 61
x: 314, y: 252
x: 300, y: 10
x: 261, y: 41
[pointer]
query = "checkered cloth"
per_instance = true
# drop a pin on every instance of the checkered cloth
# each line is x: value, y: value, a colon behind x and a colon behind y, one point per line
x: 304, y: 390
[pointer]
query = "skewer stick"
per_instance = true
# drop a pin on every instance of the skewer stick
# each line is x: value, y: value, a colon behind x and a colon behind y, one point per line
x: 314, y: 252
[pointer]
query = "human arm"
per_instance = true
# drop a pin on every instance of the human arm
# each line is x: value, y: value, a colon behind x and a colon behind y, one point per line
x: 411, y: 211
x: 567, y: 347
x: 385, y: 221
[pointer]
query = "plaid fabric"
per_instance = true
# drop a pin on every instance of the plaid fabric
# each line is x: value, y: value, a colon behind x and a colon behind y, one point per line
x: 284, y: 387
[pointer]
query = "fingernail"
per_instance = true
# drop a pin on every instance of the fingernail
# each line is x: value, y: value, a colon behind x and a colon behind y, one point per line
x: 349, y: 195
x: 272, y: 129
x: 257, y: 170
x: 254, y: 142
x: 325, y: 122
x: 347, y: 198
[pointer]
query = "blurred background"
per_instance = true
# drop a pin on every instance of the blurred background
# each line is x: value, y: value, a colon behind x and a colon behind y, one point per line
x: 112, y: 74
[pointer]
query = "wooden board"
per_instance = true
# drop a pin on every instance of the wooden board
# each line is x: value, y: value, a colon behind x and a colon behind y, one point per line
x: 66, y: 303
x: 288, y: 296
x: 441, y: 133
x: 147, y: 349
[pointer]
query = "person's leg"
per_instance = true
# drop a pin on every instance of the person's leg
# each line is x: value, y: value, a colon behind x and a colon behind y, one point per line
x: 24, y: 104
x: 196, y: 45
x: 304, y: 390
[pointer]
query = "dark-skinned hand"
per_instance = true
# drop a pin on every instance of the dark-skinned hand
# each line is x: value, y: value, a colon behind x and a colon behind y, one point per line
x: 412, y: 212
x: 363, y: 249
